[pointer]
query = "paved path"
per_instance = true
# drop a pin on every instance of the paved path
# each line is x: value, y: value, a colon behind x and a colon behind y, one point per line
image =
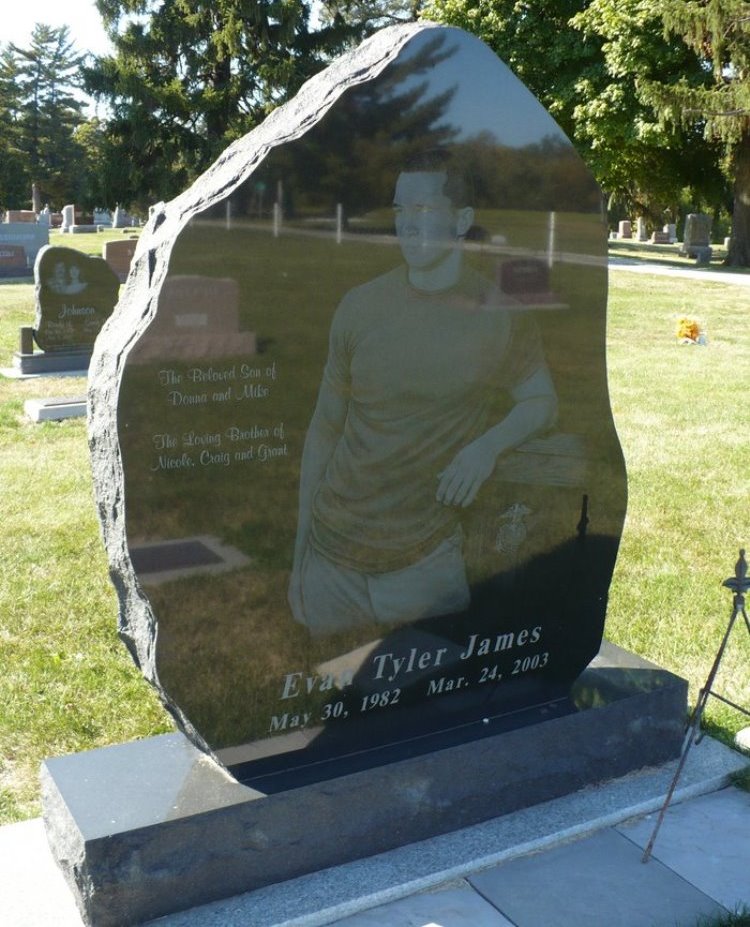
x: 668, y: 270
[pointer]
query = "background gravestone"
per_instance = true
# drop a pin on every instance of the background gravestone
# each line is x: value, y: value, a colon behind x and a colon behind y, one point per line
x: 12, y: 260
x: 31, y: 237
x: 217, y: 447
x: 697, y: 238
x: 75, y: 295
x: 119, y: 255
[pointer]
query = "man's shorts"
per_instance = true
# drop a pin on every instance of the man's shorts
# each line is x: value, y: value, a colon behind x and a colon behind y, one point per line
x: 336, y: 597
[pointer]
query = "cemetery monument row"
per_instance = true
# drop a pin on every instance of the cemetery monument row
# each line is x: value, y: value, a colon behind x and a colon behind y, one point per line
x: 412, y: 454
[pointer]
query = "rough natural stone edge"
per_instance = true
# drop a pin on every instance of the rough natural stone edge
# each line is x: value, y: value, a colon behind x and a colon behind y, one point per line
x: 66, y: 842
x: 138, y: 625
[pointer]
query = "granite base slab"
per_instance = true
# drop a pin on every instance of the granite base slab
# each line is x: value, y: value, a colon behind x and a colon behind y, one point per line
x: 180, y: 831
x: 41, y: 362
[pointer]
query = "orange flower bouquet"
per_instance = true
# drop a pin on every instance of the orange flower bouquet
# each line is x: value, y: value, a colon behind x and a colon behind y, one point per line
x: 689, y: 332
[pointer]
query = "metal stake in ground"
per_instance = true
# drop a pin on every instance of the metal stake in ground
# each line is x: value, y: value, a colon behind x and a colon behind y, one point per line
x: 739, y: 584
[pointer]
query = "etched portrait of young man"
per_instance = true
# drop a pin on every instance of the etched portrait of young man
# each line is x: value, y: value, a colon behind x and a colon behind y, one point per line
x: 402, y: 437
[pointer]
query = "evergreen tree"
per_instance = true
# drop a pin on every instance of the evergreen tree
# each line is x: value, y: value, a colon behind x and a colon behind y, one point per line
x: 718, y: 33
x: 189, y: 76
x: 15, y: 182
x: 46, y: 111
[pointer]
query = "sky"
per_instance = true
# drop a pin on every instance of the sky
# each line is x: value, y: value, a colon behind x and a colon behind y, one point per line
x: 81, y: 17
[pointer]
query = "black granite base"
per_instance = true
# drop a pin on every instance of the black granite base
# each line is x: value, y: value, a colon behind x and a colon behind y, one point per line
x: 152, y: 827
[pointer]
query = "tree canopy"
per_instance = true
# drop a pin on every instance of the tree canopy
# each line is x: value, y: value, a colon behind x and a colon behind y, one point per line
x: 189, y: 76
x: 40, y: 115
x: 654, y: 93
x: 644, y: 161
x: 717, y: 32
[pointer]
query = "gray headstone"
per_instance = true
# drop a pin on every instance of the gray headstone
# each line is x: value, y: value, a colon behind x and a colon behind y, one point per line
x: 415, y: 449
x: 75, y: 295
x: 68, y: 217
x: 697, y: 237
x: 30, y: 237
x: 625, y: 229
x: 121, y: 219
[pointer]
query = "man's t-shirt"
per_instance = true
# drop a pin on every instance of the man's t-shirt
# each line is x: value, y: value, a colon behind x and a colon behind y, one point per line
x: 418, y: 372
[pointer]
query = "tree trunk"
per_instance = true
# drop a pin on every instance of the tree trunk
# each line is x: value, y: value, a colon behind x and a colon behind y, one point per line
x: 739, y: 246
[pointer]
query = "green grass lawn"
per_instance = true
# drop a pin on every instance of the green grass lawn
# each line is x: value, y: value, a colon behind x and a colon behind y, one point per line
x: 68, y: 684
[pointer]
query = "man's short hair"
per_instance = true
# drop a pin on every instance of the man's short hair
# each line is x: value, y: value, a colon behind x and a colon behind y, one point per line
x: 458, y: 186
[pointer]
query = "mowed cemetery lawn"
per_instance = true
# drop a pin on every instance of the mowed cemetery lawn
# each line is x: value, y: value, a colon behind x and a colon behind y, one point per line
x: 67, y: 683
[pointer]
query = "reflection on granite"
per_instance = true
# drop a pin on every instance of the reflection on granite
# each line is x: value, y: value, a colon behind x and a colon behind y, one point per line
x: 174, y: 780
x: 294, y: 277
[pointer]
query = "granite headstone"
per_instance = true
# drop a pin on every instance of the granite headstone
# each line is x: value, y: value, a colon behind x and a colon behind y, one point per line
x: 415, y: 450
x: 362, y: 523
x: 119, y: 255
x: 13, y: 261
x: 625, y: 229
x: 27, y: 235
x: 697, y: 238
x: 68, y: 217
x: 75, y: 295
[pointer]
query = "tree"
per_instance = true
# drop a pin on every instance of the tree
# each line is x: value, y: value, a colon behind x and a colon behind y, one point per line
x: 584, y: 60
x: 189, y: 76
x: 356, y: 19
x: 718, y: 34
x: 15, y: 183
x: 45, y: 111
x: 646, y: 163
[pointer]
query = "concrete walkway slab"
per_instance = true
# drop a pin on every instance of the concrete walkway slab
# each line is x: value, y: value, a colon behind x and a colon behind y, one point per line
x: 707, y: 842
x: 33, y: 892
x: 633, y: 265
x: 594, y: 881
x: 453, y: 907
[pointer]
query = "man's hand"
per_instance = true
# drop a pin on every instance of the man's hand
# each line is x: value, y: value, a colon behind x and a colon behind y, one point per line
x: 463, y: 477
